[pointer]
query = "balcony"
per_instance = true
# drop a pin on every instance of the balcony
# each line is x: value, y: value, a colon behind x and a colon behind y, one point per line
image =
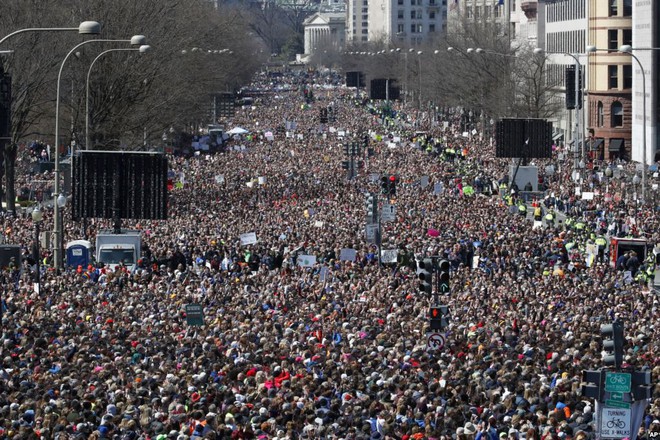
x: 529, y: 7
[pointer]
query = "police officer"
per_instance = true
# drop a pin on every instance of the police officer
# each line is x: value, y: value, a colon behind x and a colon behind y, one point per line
x: 522, y: 209
x: 550, y: 218
x: 601, y: 242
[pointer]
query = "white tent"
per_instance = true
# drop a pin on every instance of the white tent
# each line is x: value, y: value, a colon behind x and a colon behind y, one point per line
x: 237, y: 130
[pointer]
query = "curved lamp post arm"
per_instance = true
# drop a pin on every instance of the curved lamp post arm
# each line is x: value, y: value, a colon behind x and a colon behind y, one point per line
x: 85, y: 28
x: 140, y: 49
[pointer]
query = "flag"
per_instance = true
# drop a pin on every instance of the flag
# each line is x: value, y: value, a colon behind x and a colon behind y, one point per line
x: 500, y: 3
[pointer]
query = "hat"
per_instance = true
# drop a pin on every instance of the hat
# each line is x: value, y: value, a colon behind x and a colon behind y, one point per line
x: 502, y: 434
x: 469, y: 428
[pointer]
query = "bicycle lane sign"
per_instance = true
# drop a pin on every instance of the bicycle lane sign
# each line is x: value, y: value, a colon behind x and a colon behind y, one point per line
x: 615, y: 422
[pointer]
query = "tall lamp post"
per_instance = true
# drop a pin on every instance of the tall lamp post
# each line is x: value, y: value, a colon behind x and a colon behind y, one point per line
x: 136, y: 40
x: 37, y: 216
x: 629, y: 50
x: 142, y: 49
x: 578, y: 119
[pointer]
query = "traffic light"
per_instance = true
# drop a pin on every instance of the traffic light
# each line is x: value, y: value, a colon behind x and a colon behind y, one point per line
x: 592, y: 384
x: 323, y: 115
x: 372, y: 207
x: 425, y: 270
x: 392, y: 180
x: 439, y: 317
x: 384, y: 185
x: 443, y: 276
x: 332, y: 115
x: 642, y: 385
x: 347, y: 150
x: 612, y: 335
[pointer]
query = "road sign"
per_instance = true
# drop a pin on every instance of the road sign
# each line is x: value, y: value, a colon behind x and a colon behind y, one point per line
x: 617, y: 404
x: 435, y: 341
x: 616, y: 396
x: 388, y: 214
x: 615, y: 423
x: 617, y: 382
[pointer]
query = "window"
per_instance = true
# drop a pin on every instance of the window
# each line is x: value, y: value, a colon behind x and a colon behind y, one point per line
x: 627, y: 37
x: 614, y: 10
x: 413, y: 28
x: 477, y: 11
x: 627, y: 76
x: 613, y: 75
x: 627, y: 8
x: 432, y: 15
x: 400, y: 14
x: 400, y: 29
x: 399, y: 2
x: 365, y: 31
x: 496, y: 11
x: 601, y: 115
x: 431, y: 28
x: 617, y: 114
x: 613, y: 39
x: 468, y: 11
x: 413, y: 14
x: 420, y: 28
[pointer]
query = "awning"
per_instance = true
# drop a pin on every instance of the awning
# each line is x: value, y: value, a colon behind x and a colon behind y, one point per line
x: 596, y: 143
x: 616, y: 145
x: 557, y: 136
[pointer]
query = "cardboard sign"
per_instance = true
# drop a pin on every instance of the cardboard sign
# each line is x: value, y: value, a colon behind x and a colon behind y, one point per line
x: 306, y: 260
x: 389, y: 255
x: 347, y: 254
x: 248, y: 238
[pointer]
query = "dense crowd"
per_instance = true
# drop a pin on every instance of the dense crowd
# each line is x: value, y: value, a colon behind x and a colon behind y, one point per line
x: 338, y: 348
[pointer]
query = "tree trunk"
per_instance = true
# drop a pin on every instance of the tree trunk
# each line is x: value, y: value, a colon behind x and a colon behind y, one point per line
x: 9, y: 152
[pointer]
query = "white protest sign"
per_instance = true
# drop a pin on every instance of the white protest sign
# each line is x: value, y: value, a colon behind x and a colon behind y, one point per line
x: 424, y: 181
x: 318, y: 224
x: 389, y: 255
x: 248, y: 238
x: 262, y: 180
x: 306, y: 260
x: 219, y: 178
x: 587, y: 195
x: 347, y: 254
x: 437, y: 188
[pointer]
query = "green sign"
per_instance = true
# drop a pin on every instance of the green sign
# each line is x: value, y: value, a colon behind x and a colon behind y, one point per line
x: 617, y: 382
x: 617, y: 396
x: 617, y: 404
x: 444, y: 287
x: 194, y: 314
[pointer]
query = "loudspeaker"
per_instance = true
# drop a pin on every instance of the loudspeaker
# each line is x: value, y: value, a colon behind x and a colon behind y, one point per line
x: 119, y: 184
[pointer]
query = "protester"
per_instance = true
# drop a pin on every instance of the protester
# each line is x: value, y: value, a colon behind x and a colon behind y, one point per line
x: 293, y: 349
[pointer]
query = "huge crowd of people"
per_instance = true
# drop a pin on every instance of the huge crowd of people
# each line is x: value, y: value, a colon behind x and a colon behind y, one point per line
x: 305, y: 340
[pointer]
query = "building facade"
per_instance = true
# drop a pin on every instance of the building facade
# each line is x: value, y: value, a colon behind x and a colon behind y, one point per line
x: 325, y: 30
x: 610, y: 80
x: 563, y: 31
x: 399, y: 22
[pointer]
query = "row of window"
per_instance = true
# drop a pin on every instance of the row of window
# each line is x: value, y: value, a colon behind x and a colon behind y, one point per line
x: 486, y: 11
x: 613, y: 76
x: 568, y: 41
x: 415, y: 14
x: 414, y: 28
x: 620, y: 7
x: 614, y: 42
x: 420, y: 2
x: 566, y: 10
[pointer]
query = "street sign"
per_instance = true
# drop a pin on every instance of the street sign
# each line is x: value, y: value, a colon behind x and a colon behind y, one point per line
x: 388, y: 213
x: 371, y: 230
x: 616, y: 396
x: 617, y: 404
x: 435, y: 341
x: 194, y: 314
x: 617, y: 382
x: 615, y: 423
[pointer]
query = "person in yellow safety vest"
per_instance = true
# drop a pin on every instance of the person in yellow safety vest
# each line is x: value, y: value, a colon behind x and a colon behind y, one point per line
x: 546, y: 272
x: 580, y: 225
x: 538, y: 214
x: 569, y: 223
x: 601, y: 242
x: 509, y: 200
x: 522, y: 209
x: 641, y: 277
x: 550, y: 218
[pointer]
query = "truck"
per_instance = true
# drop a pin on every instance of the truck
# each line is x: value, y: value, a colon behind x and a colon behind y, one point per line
x: 114, y: 248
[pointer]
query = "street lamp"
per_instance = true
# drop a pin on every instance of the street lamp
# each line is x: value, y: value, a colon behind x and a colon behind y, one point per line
x: 629, y: 50
x: 419, y: 68
x: 37, y: 217
x: 136, y: 40
x: 85, y: 28
x: 578, y: 120
x: 142, y: 49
